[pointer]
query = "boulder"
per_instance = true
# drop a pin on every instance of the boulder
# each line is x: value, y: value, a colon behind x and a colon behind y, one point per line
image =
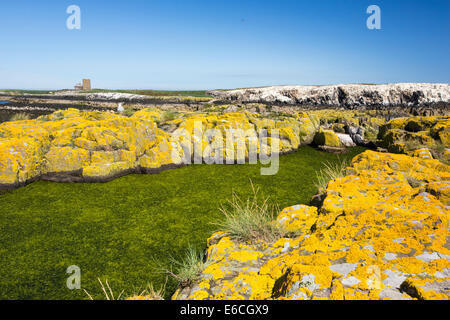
x: 345, y: 140
x: 406, y: 135
x: 327, y: 138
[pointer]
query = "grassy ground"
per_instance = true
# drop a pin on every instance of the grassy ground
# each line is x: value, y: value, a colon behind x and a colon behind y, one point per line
x: 18, y: 91
x: 115, y: 230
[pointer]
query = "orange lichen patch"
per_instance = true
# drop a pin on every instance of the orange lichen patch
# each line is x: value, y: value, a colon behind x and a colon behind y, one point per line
x: 244, y: 255
x: 375, y: 230
x: 298, y: 219
x: 215, y: 271
x: 200, y: 295
x: 204, y: 284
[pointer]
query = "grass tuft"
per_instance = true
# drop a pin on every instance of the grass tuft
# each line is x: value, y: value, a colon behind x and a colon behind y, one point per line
x: 107, y: 291
x: 189, y: 269
x: 330, y: 171
x: 168, y: 116
x: 20, y: 117
x: 251, y: 219
x: 128, y: 112
x: 150, y: 293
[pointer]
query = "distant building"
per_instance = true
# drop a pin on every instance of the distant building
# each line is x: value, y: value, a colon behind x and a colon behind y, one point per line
x: 85, y: 85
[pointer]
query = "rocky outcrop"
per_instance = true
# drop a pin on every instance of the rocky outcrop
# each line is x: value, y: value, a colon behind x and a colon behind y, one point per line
x: 75, y: 146
x: 327, y: 138
x: 72, y: 145
x: 381, y: 233
x: 409, y: 135
x: 401, y: 94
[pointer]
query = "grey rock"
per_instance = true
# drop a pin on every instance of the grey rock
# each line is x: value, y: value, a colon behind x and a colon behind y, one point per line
x: 345, y: 139
x: 343, y: 268
x: 394, y: 278
x: 393, y: 294
x: 350, y: 281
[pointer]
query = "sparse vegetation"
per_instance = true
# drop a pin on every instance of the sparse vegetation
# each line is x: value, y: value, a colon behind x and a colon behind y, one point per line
x: 413, y: 182
x: 17, y: 91
x: 108, y: 294
x: 150, y: 293
x: 413, y: 144
x: 168, y: 116
x: 189, y: 268
x: 44, y: 118
x: 20, y: 117
x: 128, y: 112
x: 330, y: 171
x: 250, y: 219
x: 438, y: 151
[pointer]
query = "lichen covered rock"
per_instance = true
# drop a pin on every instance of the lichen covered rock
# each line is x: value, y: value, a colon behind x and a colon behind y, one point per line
x: 242, y: 131
x: 377, y: 235
x: 93, y: 146
x: 72, y: 145
x: 410, y: 135
x: 327, y: 138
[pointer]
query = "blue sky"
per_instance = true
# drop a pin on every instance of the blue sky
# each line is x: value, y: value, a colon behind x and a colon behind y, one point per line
x: 222, y: 44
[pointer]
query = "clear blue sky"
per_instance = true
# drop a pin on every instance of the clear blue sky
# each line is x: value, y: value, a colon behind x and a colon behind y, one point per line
x: 222, y: 44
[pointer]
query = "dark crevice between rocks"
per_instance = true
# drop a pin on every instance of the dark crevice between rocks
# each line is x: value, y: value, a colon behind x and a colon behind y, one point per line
x: 279, y: 288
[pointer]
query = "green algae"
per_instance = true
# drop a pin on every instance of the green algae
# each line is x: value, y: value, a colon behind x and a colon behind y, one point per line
x: 123, y: 231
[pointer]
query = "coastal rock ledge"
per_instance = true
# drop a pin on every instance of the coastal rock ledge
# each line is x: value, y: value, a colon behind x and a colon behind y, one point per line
x: 400, y: 94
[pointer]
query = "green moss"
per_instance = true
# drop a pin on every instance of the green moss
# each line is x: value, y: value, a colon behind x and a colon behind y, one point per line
x: 128, y: 112
x: 120, y: 229
x: 168, y: 116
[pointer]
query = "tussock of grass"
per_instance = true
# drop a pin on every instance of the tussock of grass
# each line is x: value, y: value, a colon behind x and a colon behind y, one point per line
x: 413, y: 182
x: 168, y: 116
x: 251, y: 219
x: 19, y: 117
x: 107, y: 291
x: 330, y: 171
x: 190, y: 268
x: 438, y: 151
x: 128, y: 112
x: 151, y: 293
x: 412, y: 145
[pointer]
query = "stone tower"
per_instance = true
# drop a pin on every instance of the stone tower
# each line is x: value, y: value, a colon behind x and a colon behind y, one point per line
x: 86, y: 84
